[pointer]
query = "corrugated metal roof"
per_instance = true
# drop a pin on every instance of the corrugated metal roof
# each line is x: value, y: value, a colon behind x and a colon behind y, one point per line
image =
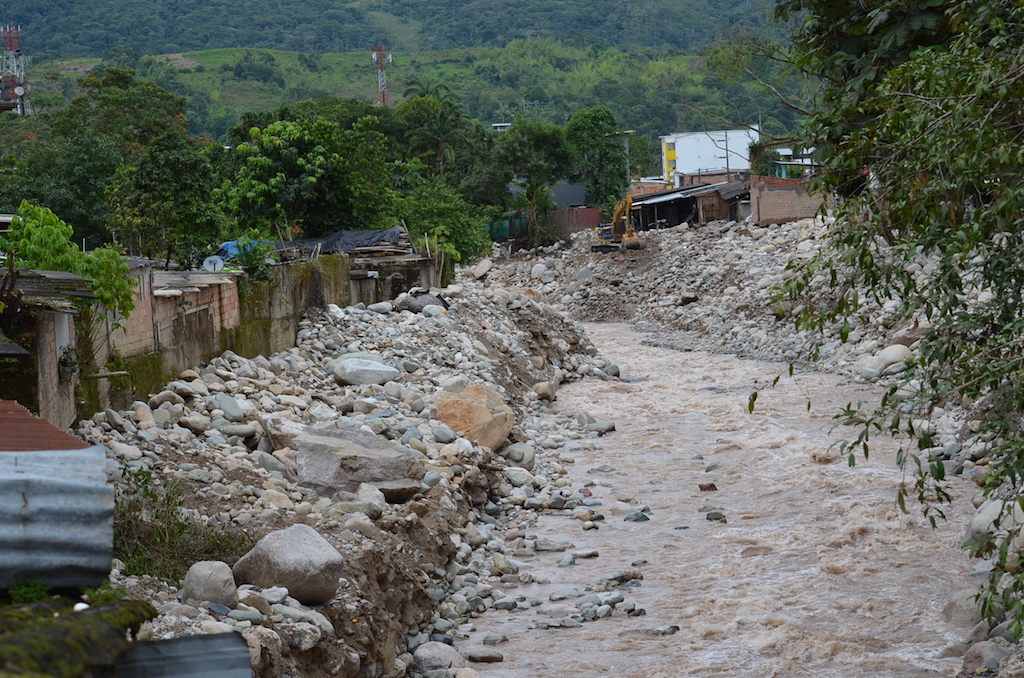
x: 50, y: 284
x: 218, y: 655
x: 56, y: 517
x: 174, y: 283
x: 20, y: 431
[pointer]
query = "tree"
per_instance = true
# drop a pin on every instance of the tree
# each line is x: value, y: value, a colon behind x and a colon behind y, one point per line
x: 927, y: 97
x: 123, y: 109
x: 599, y: 154
x: 536, y: 155
x: 163, y: 201
x: 435, y: 128
x: 437, y: 214
x: 40, y: 239
x: 66, y: 174
x: 311, y: 177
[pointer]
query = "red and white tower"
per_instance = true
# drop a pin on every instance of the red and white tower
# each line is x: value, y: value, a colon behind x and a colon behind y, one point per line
x: 13, y: 95
x: 380, y: 58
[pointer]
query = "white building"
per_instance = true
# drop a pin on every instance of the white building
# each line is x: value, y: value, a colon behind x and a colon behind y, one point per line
x: 705, y: 157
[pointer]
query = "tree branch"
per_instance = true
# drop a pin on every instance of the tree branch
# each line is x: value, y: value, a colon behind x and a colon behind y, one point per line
x: 774, y: 139
x: 785, y: 102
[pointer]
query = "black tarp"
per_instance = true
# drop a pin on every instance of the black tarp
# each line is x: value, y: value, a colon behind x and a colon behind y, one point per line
x: 345, y: 241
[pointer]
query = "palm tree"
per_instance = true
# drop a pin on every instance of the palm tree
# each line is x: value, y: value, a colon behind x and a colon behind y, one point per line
x: 429, y: 87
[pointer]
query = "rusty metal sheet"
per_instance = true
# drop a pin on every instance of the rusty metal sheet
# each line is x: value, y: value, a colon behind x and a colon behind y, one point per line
x: 20, y: 431
x: 56, y: 517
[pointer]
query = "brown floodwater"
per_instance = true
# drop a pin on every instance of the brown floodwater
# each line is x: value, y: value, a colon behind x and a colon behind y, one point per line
x: 816, y: 572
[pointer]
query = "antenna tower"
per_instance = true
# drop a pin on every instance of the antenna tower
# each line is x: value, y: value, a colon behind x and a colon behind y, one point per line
x: 380, y: 58
x: 13, y: 95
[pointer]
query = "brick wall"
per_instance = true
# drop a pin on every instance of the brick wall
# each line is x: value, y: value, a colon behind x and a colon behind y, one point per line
x: 774, y: 200
x: 151, y: 326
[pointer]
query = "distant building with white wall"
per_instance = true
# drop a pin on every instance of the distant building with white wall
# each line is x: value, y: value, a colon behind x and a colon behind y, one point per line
x: 706, y: 157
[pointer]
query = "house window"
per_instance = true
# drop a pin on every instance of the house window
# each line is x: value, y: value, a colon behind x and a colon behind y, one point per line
x: 670, y: 146
x: 672, y: 163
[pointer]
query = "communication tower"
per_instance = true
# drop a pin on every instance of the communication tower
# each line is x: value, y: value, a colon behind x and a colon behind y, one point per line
x: 380, y: 58
x: 13, y: 95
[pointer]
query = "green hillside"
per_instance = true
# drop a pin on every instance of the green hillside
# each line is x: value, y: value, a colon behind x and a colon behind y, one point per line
x: 649, y: 91
x: 61, y: 28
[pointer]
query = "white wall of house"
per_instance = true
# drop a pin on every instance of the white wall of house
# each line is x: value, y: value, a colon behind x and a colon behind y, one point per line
x: 706, y: 152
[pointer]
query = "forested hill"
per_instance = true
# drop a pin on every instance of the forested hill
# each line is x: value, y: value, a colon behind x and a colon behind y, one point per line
x: 61, y: 28
x: 541, y: 79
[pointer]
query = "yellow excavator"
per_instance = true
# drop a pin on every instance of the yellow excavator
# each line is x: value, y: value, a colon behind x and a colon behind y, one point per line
x: 619, y: 234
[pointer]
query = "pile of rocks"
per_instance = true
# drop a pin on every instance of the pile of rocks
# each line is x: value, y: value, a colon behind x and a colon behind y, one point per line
x: 362, y: 463
x: 712, y: 287
x: 715, y: 288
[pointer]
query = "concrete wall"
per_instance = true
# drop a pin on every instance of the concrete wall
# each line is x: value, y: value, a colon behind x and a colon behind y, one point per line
x: 167, y: 334
x: 269, y: 311
x: 775, y: 201
x: 384, y: 278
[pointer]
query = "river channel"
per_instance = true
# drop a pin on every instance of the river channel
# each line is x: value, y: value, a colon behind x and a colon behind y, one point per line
x: 815, y: 573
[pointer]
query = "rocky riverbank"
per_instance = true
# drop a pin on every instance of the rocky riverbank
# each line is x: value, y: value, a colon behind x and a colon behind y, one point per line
x: 391, y: 470
x: 363, y: 456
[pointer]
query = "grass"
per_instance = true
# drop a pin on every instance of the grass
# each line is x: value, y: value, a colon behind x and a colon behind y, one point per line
x: 153, y: 535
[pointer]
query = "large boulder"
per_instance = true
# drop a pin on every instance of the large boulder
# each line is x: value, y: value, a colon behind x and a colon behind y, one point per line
x: 356, y: 371
x: 342, y: 455
x: 416, y: 302
x: 481, y: 269
x: 479, y: 413
x: 209, y: 580
x: 229, y: 406
x: 297, y: 558
x: 434, y: 655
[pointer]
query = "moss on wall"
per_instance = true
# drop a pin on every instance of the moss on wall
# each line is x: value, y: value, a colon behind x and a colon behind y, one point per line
x: 146, y: 373
x: 270, y: 310
x: 50, y: 639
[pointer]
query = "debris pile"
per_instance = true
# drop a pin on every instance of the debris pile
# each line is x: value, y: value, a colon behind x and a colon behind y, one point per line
x: 355, y: 462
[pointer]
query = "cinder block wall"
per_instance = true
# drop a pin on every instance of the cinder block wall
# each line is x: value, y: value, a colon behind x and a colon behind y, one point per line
x: 774, y: 200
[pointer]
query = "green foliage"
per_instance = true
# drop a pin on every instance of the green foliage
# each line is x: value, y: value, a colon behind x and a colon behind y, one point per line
x: 435, y: 213
x: 65, y: 173
x: 258, y: 66
x: 311, y: 177
x: 928, y: 96
x: 596, y: 142
x: 536, y: 156
x: 255, y: 255
x: 108, y: 270
x: 163, y: 202
x: 436, y: 126
x: 153, y: 535
x: 314, y: 26
x: 761, y: 157
x: 654, y: 92
x: 39, y: 239
x: 104, y: 594
x: 123, y: 109
x: 28, y: 592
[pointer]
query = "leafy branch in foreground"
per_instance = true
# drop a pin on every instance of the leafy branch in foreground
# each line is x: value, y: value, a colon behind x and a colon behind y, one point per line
x: 920, y: 127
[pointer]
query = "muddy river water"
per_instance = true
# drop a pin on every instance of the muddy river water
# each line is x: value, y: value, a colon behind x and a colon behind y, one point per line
x: 815, y: 572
